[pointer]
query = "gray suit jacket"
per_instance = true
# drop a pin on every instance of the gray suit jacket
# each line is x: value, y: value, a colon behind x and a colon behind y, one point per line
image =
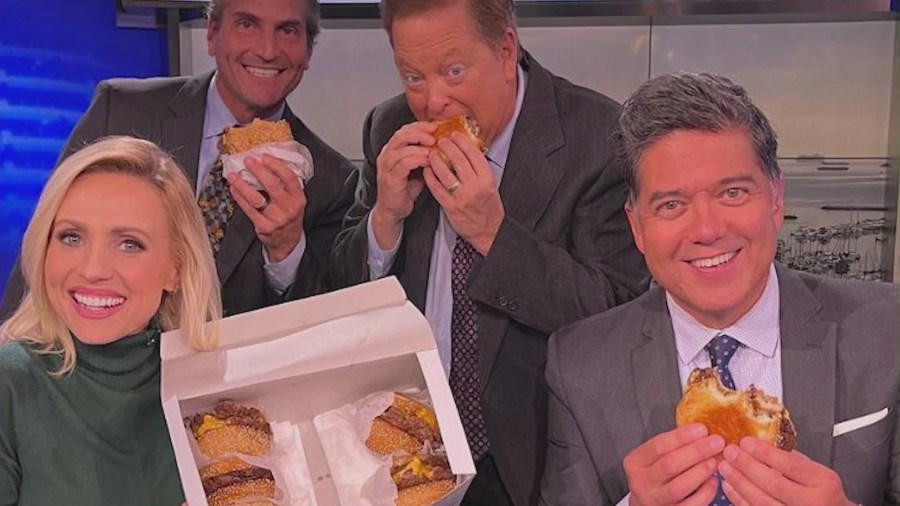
x: 614, y: 384
x: 563, y: 252
x: 169, y: 112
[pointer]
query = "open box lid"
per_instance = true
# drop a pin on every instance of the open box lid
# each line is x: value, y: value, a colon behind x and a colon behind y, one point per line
x: 358, y: 324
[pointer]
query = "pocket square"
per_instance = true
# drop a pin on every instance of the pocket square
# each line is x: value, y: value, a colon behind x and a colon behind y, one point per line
x: 858, y: 423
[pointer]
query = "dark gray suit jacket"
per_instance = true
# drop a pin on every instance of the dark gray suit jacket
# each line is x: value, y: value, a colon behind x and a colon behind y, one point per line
x: 614, y: 384
x: 563, y: 252
x: 169, y: 112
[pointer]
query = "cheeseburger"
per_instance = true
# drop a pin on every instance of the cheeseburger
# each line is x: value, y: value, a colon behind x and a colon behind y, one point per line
x: 405, y: 426
x: 233, y: 481
x: 231, y: 428
x: 421, y: 479
x: 734, y: 414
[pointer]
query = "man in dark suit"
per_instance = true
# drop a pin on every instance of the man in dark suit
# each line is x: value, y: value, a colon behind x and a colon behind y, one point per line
x: 497, y: 249
x: 276, y: 246
x: 705, y: 205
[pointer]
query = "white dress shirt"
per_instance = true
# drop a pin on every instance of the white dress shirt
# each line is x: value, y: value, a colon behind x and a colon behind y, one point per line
x: 438, y: 296
x: 216, y: 119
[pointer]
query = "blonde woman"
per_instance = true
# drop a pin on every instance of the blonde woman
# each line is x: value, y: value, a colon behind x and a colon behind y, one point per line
x: 115, y: 253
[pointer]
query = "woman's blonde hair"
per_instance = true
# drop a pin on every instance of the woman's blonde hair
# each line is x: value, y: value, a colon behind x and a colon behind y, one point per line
x: 197, y: 298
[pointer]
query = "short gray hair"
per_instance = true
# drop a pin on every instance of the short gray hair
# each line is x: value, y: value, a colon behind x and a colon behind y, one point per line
x: 215, y: 8
x: 689, y: 101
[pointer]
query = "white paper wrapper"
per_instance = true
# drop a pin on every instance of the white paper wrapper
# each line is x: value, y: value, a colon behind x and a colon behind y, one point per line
x: 360, y: 477
x: 289, y: 460
x: 295, y: 155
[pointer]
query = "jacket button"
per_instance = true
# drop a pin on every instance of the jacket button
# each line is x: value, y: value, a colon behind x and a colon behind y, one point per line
x: 503, y: 301
x: 513, y: 306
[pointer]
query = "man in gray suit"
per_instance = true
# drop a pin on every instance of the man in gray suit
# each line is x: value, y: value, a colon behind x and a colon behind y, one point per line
x: 497, y: 249
x: 705, y: 206
x: 276, y: 246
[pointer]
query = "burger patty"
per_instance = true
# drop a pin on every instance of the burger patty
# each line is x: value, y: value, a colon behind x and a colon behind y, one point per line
x: 214, y: 483
x: 234, y: 414
x: 412, y: 425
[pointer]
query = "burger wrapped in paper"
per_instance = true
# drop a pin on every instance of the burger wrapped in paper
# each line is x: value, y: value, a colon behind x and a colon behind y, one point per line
x: 406, y: 426
x: 231, y: 428
x: 259, y: 138
x: 734, y: 414
x: 234, y: 481
x: 421, y: 479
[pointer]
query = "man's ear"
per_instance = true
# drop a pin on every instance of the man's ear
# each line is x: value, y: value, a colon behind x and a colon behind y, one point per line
x: 509, y: 53
x: 778, y: 202
x: 211, y: 29
x: 635, y: 221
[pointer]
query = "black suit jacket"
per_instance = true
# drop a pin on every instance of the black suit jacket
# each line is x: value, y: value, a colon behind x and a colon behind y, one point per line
x: 614, y: 384
x: 169, y: 112
x: 563, y: 252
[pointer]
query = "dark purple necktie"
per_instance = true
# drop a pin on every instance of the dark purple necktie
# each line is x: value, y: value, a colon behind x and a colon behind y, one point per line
x: 721, y: 349
x: 464, y: 351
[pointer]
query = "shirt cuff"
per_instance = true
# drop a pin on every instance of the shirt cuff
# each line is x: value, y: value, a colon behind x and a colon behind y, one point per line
x: 380, y: 261
x: 280, y: 275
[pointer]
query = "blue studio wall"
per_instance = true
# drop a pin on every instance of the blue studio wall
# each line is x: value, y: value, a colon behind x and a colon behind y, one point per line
x: 52, y: 55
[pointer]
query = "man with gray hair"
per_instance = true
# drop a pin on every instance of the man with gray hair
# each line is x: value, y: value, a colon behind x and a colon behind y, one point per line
x: 270, y: 246
x: 705, y: 206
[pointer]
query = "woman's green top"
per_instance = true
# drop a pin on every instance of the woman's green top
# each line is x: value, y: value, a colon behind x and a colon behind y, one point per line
x: 94, y: 437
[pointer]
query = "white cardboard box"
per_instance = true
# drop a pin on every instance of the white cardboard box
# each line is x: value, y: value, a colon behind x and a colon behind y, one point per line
x: 299, y: 359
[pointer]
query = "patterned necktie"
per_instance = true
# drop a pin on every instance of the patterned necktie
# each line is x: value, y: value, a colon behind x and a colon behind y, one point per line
x: 216, y: 205
x: 721, y: 349
x: 464, y: 351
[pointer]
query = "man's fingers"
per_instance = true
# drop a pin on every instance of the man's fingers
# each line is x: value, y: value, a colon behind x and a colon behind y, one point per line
x: 792, y: 464
x: 462, y: 165
x: 685, y: 457
x: 684, y: 485
x: 276, y: 179
x: 259, y: 220
x: 436, y: 187
x: 442, y: 172
x: 413, y: 134
x: 703, y: 495
x: 743, y: 492
x: 755, y: 480
x: 661, y: 444
x: 242, y: 190
x: 476, y: 158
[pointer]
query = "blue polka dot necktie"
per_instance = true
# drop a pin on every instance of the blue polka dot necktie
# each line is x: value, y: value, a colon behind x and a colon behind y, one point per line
x: 216, y: 205
x: 721, y: 349
x: 464, y: 383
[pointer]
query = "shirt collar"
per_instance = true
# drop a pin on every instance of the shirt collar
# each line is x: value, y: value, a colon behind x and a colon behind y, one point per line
x: 758, y: 329
x: 498, y: 152
x: 218, y: 117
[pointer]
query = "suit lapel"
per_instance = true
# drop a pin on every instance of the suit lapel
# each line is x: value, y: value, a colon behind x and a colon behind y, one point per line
x: 186, y: 124
x: 657, y: 385
x: 808, y: 365
x: 529, y: 178
x: 188, y: 109
x: 529, y: 181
